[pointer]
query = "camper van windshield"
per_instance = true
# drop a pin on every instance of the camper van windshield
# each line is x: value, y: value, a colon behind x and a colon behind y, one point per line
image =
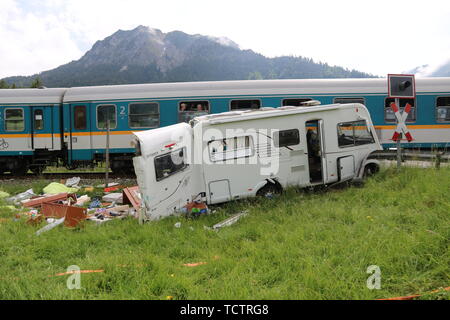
x: 169, y: 164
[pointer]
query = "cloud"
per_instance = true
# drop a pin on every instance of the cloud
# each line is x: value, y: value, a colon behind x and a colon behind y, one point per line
x: 32, y: 43
x: 379, y: 37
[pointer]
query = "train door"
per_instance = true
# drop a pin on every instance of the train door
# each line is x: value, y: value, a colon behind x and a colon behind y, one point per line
x: 80, y: 143
x: 41, y: 128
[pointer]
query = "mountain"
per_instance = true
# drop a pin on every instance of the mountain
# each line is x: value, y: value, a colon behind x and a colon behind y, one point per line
x: 438, y: 70
x: 146, y: 55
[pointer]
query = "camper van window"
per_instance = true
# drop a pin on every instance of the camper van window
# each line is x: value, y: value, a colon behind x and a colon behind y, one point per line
x: 143, y: 115
x: 188, y: 110
x: 389, y: 115
x: 349, y: 100
x: 231, y: 148
x: 354, y: 134
x: 14, y: 120
x: 104, y: 112
x: 443, y: 109
x: 170, y: 163
x: 245, y: 104
x: 294, y: 102
x: 286, y: 138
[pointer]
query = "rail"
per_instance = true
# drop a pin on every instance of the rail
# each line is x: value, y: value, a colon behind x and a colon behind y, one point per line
x: 407, y: 155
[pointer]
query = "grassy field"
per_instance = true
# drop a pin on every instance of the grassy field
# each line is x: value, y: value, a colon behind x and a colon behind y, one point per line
x: 301, y: 245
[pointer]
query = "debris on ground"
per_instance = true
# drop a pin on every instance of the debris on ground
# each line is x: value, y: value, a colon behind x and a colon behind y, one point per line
x: 230, y: 221
x: 178, y: 225
x: 60, y: 205
x: 191, y: 265
x: 38, y: 201
x: 50, y: 226
x: 73, y: 182
x: 56, y: 188
x: 195, y: 208
x: 113, y: 198
x: 21, y: 196
x: 132, y: 196
x: 4, y: 195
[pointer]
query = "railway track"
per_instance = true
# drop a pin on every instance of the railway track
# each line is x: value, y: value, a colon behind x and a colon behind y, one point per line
x: 67, y: 175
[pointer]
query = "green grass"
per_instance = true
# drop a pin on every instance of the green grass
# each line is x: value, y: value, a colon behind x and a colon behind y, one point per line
x: 301, y: 245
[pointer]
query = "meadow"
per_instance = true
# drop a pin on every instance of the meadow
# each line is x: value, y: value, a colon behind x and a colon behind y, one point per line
x: 299, y: 245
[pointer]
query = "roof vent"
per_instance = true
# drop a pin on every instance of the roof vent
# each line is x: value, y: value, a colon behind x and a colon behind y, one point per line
x: 310, y: 103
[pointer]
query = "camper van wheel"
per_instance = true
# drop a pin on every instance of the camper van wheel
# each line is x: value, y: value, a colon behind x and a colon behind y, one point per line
x: 370, y: 170
x: 269, y: 190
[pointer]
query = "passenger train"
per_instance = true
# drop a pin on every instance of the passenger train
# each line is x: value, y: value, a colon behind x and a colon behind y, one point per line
x: 41, y: 127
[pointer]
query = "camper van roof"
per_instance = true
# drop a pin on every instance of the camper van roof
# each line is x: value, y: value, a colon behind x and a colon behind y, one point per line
x: 243, y: 115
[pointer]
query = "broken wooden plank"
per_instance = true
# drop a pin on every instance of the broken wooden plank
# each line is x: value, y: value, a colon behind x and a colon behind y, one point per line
x: 230, y: 221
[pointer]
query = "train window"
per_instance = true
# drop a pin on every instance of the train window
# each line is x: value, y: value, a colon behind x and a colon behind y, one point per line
x: 14, y: 120
x: 143, y: 115
x: 443, y: 109
x: 285, y: 138
x: 294, y: 102
x: 188, y: 110
x: 343, y: 100
x: 104, y: 112
x: 80, y: 117
x: 38, y: 119
x: 389, y: 115
x: 354, y: 134
x: 245, y: 104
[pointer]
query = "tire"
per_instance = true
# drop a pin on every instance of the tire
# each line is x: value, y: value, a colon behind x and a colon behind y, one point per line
x: 268, y: 191
x: 370, y: 170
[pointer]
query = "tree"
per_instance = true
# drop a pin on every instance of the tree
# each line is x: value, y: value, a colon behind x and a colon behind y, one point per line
x: 3, y: 84
x: 37, y: 83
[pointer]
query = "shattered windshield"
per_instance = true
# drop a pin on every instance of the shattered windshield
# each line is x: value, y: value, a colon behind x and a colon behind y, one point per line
x: 169, y: 164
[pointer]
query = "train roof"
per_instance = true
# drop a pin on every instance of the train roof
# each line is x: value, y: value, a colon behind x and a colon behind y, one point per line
x: 32, y: 96
x: 235, y: 116
x: 247, y: 87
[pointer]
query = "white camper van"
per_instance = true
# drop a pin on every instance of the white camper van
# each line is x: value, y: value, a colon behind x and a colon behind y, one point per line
x: 234, y: 155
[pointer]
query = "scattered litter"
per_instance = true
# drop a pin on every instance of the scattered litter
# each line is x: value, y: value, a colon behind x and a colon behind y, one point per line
x: 50, y: 226
x: 37, y: 202
x: 112, y: 184
x: 113, y: 197
x: 112, y: 189
x: 35, y: 219
x: 89, y: 189
x: 195, y: 264
x: 81, y: 201
x: 75, y: 272
x: 132, y: 196
x: 72, y: 182
x: 178, y: 225
x: 195, y: 208
x: 4, y: 194
x: 55, y: 188
x: 73, y: 215
x: 230, y: 221
x: 95, y: 204
x: 21, y: 196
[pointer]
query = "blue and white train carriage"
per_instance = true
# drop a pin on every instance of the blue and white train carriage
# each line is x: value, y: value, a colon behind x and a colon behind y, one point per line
x: 30, y: 129
x: 41, y: 125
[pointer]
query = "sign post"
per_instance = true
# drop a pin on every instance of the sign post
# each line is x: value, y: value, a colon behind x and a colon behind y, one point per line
x: 401, y: 86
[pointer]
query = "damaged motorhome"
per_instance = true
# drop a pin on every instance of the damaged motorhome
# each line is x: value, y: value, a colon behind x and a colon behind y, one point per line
x: 222, y: 157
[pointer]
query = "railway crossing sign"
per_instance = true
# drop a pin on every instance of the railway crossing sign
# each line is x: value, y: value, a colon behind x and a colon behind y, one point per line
x: 401, y: 125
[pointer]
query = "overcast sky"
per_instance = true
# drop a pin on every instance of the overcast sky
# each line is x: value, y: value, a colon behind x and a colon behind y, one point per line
x: 378, y: 37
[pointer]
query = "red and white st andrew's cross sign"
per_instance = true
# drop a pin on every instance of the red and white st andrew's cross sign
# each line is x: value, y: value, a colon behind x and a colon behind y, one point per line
x: 401, y: 118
